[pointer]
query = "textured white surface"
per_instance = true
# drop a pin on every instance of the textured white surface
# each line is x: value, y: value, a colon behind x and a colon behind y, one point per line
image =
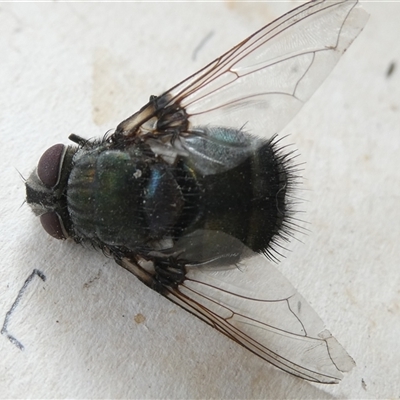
x: 93, y: 330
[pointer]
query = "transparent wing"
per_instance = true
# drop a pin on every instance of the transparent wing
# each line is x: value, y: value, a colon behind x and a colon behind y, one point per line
x: 272, y: 320
x: 263, y: 82
x: 249, y: 301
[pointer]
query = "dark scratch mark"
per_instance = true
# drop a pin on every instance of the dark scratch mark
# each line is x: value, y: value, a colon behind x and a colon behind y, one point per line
x: 363, y: 384
x: 89, y: 283
x: 391, y: 69
x: 201, y: 44
x: 4, y: 329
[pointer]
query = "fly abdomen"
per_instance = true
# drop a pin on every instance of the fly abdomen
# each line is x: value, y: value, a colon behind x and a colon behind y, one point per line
x: 249, y: 201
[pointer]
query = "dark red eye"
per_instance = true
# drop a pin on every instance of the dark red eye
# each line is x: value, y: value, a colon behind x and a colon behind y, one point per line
x: 53, y: 225
x: 48, y: 169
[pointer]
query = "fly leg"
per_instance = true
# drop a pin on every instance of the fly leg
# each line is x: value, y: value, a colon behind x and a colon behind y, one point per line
x: 168, y: 272
x: 156, y: 272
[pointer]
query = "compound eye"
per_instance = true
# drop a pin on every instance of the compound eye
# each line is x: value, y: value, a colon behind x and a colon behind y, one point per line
x: 53, y: 225
x: 49, y: 166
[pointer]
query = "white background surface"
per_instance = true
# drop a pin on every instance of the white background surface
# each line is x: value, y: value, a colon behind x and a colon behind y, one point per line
x: 82, y: 68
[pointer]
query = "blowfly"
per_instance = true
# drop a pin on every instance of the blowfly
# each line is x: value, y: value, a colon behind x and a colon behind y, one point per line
x: 192, y: 193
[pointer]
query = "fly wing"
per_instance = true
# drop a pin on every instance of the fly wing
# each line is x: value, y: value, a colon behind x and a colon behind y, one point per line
x: 258, y: 308
x: 249, y: 301
x: 263, y: 81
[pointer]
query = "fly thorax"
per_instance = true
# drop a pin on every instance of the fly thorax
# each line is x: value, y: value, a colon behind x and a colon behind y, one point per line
x: 122, y: 198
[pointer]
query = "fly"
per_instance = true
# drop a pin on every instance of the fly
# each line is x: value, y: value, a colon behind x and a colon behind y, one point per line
x: 192, y: 193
